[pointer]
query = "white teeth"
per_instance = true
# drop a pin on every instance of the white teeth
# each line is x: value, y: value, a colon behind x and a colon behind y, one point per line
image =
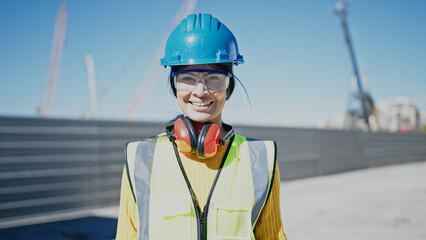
x: 200, y: 104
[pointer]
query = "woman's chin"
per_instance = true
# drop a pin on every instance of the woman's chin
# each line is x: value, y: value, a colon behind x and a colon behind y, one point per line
x: 199, y: 117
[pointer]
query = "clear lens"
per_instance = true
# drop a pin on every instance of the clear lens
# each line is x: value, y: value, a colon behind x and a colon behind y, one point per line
x: 212, y: 80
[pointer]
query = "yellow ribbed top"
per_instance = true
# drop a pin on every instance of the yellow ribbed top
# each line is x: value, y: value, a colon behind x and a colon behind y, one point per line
x: 201, y: 174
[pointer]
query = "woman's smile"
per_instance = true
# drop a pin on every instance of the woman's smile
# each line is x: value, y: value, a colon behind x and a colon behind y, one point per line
x: 201, y: 106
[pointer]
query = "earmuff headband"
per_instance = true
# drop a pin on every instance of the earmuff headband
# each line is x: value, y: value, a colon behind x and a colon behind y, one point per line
x: 229, y: 133
x: 191, y: 131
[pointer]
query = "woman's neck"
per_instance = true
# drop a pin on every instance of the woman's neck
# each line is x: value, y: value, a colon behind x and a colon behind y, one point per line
x: 197, y: 126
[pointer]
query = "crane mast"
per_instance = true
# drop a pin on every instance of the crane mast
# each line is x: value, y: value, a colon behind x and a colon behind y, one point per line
x: 90, y: 65
x: 46, y: 108
x: 366, y: 101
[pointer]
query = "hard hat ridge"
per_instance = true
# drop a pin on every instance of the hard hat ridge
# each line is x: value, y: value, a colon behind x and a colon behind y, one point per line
x: 201, y: 39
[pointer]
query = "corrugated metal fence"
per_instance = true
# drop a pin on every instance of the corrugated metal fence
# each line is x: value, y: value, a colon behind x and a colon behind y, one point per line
x: 313, y: 152
x: 48, y: 166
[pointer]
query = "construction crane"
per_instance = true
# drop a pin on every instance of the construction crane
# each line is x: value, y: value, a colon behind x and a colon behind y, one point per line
x: 46, y: 108
x: 367, y: 107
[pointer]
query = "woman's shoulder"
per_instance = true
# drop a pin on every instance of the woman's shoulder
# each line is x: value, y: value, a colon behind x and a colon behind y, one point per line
x: 152, y: 139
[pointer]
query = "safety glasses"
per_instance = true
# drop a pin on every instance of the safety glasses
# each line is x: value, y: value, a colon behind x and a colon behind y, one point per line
x: 212, y: 80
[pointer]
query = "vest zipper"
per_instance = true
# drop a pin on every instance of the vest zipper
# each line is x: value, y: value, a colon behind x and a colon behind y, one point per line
x: 203, y: 234
x: 206, y: 207
x: 201, y: 216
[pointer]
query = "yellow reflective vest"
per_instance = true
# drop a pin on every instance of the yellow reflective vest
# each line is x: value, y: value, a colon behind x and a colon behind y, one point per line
x: 167, y: 205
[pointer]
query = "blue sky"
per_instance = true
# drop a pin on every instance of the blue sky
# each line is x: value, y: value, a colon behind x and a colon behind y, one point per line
x: 297, y: 68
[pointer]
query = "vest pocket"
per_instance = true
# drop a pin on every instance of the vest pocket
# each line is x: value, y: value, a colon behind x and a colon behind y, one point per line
x: 175, y: 204
x: 176, y: 216
x: 232, y: 222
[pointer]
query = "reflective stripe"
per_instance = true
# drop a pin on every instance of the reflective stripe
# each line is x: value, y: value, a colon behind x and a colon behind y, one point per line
x: 142, y: 181
x: 262, y: 166
x: 259, y: 164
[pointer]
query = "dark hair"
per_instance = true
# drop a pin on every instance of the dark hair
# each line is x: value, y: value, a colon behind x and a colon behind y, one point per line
x: 224, y: 67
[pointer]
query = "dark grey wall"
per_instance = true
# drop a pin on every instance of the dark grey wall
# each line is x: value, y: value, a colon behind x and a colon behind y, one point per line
x: 63, y: 165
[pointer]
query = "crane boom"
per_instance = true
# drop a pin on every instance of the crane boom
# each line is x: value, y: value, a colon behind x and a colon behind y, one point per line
x: 154, y: 69
x: 55, y: 63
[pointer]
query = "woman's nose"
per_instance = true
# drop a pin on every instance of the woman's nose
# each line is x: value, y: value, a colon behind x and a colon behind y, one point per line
x: 200, y: 88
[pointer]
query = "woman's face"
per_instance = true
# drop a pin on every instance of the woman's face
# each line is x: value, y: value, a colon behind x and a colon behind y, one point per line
x: 202, y: 105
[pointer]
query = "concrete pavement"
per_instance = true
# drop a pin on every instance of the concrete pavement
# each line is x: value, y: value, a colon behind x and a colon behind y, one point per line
x: 371, y: 204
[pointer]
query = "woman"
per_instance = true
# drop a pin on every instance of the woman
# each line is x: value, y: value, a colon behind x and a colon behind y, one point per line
x: 199, y: 180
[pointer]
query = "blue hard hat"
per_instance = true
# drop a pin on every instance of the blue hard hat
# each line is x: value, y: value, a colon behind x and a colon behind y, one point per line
x: 201, y: 39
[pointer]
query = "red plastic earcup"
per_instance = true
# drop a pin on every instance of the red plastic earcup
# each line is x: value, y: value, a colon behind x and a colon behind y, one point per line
x: 208, y: 140
x: 183, y: 137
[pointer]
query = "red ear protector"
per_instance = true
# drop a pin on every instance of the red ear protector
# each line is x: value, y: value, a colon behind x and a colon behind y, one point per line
x: 205, y: 144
